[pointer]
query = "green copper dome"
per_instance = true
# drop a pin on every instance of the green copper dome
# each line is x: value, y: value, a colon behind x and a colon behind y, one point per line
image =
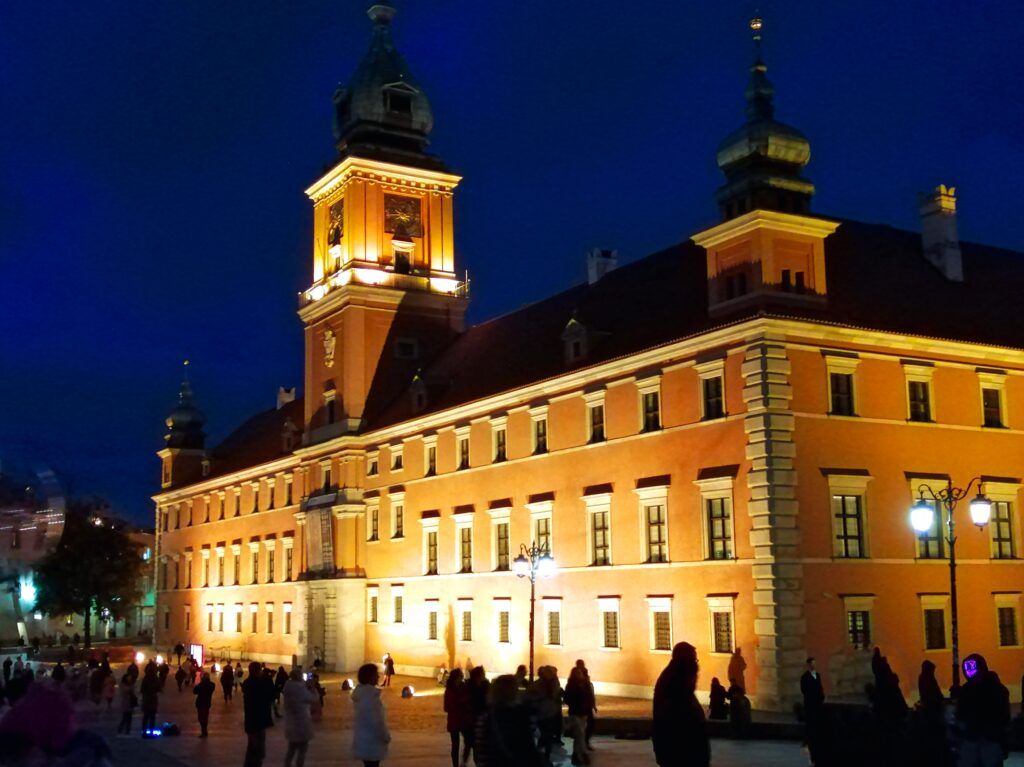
x: 762, y: 159
x: 382, y: 110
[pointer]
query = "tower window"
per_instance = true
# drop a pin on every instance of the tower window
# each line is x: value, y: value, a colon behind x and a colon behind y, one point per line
x: 406, y: 349
x: 798, y: 282
x: 787, y: 280
x: 398, y: 103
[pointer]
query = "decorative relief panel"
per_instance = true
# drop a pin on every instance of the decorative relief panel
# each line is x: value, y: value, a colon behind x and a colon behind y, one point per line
x: 400, y: 210
x: 330, y: 342
x: 336, y: 223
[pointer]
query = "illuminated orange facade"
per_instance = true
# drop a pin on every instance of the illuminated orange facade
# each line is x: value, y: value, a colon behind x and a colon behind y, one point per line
x: 719, y: 443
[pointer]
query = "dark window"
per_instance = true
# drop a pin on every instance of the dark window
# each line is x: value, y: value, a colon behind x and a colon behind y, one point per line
x: 935, y: 629
x: 501, y: 541
x: 287, y: 493
x: 467, y: 626
x: 992, y: 405
x: 741, y: 284
x: 597, y: 423
x: 503, y: 626
x: 289, y: 561
x: 719, y: 528
x: 540, y: 436
x: 1007, y: 617
x: 662, y: 631
x: 787, y: 280
x: 432, y: 552
x: 406, y: 349
x: 238, y: 502
x: 271, y: 562
x: 799, y: 285
x: 714, y: 401
x: 610, y: 622
x: 576, y: 350
x: 600, y: 540
x: 327, y: 480
x: 499, y: 445
x: 1002, y: 530
x: 236, y: 566
x: 373, y: 533
x: 255, y: 568
x: 723, y: 631
x: 858, y: 628
x: 554, y: 627
x: 431, y: 460
x: 255, y: 499
x: 271, y: 487
x: 542, y: 533
x: 920, y: 406
x: 372, y: 466
x: 399, y: 103
x: 657, y: 545
x: 399, y: 531
x: 167, y: 618
x: 373, y: 609
x: 652, y: 411
x: 930, y: 544
x: 849, y: 526
x: 842, y: 393
x: 396, y: 460
x: 332, y: 411
x: 463, y: 452
x: 466, y: 549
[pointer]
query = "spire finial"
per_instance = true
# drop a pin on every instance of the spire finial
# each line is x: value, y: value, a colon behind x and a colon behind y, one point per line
x: 184, y: 365
x: 381, y: 14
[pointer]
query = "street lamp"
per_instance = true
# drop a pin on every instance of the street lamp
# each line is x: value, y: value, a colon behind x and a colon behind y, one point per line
x: 922, y: 517
x: 531, y: 562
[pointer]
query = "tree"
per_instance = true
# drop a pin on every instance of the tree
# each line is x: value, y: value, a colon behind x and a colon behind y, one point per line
x: 95, y: 567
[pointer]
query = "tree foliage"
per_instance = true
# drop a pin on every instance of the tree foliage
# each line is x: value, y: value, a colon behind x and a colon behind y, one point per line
x: 95, y: 567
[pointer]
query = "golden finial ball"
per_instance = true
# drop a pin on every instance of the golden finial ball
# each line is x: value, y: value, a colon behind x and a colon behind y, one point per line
x: 756, y: 23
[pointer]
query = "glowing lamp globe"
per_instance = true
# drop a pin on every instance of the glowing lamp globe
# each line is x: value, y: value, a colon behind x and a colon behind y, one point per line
x: 546, y: 566
x: 521, y: 566
x: 27, y: 592
x: 139, y: 657
x: 922, y: 516
x: 159, y: 660
x: 981, y: 510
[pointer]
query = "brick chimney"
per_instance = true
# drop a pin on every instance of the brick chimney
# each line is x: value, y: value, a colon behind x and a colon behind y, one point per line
x: 600, y: 262
x: 284, y: 396
x: 939, y: 240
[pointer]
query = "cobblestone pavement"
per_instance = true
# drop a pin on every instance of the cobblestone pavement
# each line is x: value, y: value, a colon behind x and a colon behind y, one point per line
x: 418, y: 735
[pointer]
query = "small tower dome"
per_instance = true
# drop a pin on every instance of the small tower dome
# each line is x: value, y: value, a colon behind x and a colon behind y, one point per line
x: 186, y: 421
x: 382, y: 113
x: 762, y: 160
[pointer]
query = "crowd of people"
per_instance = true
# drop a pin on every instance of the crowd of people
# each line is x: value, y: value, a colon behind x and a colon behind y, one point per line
x: 513, y: 720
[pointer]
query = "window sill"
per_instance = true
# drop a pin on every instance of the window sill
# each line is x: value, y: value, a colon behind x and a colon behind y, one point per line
x: 611, y: 649
x: 553, y: 646
x: 843, y: 415
x: 372, y: 540
x: 994, y: 426
x: 655, y: 651
x: 709, y: 419
x: 398, y: 537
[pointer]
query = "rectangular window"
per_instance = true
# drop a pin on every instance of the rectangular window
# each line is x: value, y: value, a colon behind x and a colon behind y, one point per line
x: 503, y: 621
x: 255, y: 567
x: 255, y: 499
x: 542, y: 533
x: 289, y: 561
x: 372, y: 465
x: 540, y: 435
x: 432, y: 624
x: 188, y: 618
x: 432, y: 552
x: 271, y: 487
x: 238, y: 618
x: 652, y: 411
x: 499, y: 445
x: 206, y: 570
x: 270, y: 617
x: 662, y: 629
x: 600, y: 539
x: 167, y: 618
x: 848, y: 525
x: 287, y: 617
x: 920, y: 402
x: 463, y: 453
x: 657, y: 541
x: 596, y: 423
x: 858, y: 628
x: 554, y: 628
x: 220, y: 617
x: 328, y: 480
x: 209, y: 617
x: 714, y: 398
x: 396, y: 459
x: 238, y: 503
x: 610, y: 628
x: 371, y: 609
x: 841, y: 388
x: 398, y: 615
x: 220, y: 568
x: 253, y: 617
x: 373, y: 524
x: 501, y: 543
x: 1001, y: 528
x: 271, y: 561
x: 722, y: 626
x: 176, y: 576
x: 467, y: 626
x: 992, y: 405
x: 431, y: 460
x: 399, y: 521
x: 465, y: 549
x: 1007, y: 618
x: 719, y: 521
x: 236, y: 567
x: 934, y: 629
x: 287, y: 493
x: 931, y: 544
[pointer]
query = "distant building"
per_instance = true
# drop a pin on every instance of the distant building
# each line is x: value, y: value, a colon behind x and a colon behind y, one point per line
x: 719, y: 443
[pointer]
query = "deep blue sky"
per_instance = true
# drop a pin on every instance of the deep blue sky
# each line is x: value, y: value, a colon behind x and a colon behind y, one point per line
x: 154, y: 156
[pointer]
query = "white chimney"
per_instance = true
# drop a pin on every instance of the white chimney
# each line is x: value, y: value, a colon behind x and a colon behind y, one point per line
x: 600, y: 262
x: 284, y: 396
x: 939, y: 240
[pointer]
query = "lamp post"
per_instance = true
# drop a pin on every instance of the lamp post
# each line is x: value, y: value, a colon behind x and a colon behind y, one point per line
x: 922, y: 517
x: 531, y: 562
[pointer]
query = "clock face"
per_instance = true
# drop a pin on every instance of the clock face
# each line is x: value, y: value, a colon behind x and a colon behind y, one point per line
x: 402, y: 210
x: 336, y: 223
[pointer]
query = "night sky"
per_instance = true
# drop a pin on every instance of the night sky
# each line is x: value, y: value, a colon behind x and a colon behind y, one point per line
x: 154, y: 156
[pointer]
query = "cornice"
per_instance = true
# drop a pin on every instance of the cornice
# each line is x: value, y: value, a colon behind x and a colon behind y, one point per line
x: 421, y: 179
x: 764, y: 219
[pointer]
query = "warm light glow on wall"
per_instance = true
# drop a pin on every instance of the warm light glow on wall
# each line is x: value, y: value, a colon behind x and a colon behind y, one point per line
x: 371, y: 276
x: 444, y: 284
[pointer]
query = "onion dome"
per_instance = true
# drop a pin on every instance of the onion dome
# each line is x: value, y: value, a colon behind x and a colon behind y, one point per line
x: 763, y: 159
x: 185, y: 423
x: 382, y: 113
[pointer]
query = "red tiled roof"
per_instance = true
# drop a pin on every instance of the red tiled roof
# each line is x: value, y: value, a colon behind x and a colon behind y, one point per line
x: 258, y: 440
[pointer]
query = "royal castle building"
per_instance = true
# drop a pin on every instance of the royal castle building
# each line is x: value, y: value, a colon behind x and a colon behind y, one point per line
x: 718, y: 443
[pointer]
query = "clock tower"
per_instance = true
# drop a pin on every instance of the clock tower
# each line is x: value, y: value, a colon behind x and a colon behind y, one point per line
x: 385, y: 297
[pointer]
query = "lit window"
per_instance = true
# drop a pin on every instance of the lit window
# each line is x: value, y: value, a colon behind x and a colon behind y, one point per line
x: 372, y: 523
x: 848, y: 523
x: 465, y: 549
x: 542, y: 533
x: 431, y: 554
x: 254, y: 612
x: 721, y: 609
x: 1001, y: 530
x: 371, y: 605
x: 465, y: 620
x: 397, y: 519
x: 660, y: 609
x: 238, y: 617
x: 501, y: 546
x: 432, y: 632
x: 553, y: 624
x: 719, y: 527
x: 397, y: 612
x: 599, y: 532
x: 270, y: 617
x: 503, y: 607
x: 919, y: 395
x: 609, y: 607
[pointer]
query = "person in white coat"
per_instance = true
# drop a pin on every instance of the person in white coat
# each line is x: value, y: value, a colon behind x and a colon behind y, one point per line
x: 370, y: 735
x: 298, y: 718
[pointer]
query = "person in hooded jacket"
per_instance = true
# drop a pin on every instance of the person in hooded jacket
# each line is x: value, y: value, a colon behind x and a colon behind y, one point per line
x: 680, y: 731
x: 204, y: 700
x: 460, y: 715
x: 298, y: 718
x: 983, y: 712
x: 370, y: 734
x: 929, y: 726
x: 257, y: 700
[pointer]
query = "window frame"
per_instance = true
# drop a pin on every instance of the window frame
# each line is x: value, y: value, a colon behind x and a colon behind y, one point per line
x: 653, y: 496
x: 595, y: 505
x: 859, y: 603
x: 502, y: 606
x: 842, y: 364
x: 500, y: 516
x: 610, y: 606
x: 397, y: 604
x: 465, y: 607
x: 1007, y: 601
x: 430, y: 456
x: 935, y: 602
x: 992, y: 380
x: 396, y: 511
x: 373, y: 604
x: 499, y: 439
x: 540, y: 433
x: 463, y: 449
x: 847, y: 485
x: 721, y: 605
x: 373, y: 521
x: 542, y: 510
x: 649, y: 389
x: 707, y: 371
x: 432, y: 607
x: 916, y: 373
x: 594, y: 401
x: 657, y: 606
x: 396, y: 458
x: 431, y: 525
x: 462, y: 525
x: 717, y: 489
x: 552, y: 605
